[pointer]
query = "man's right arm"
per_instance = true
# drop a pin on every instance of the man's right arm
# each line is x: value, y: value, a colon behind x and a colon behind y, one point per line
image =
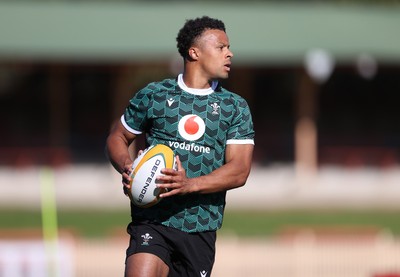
x: 117, y: 145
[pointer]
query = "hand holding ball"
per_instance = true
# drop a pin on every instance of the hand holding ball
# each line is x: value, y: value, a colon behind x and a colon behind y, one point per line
x: 147, y: 166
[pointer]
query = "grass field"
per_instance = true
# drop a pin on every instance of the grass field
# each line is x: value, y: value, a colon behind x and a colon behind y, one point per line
x: 241, y: 223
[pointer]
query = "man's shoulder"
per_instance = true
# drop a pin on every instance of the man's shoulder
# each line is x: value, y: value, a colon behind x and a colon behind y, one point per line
x: 229, y: 95
x: 163, y: 85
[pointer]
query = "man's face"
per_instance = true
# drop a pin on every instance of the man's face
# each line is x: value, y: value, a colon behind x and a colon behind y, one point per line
x: 214, y: 56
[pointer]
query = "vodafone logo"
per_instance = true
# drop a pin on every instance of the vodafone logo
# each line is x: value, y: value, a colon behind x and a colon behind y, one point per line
x: 191, y: 127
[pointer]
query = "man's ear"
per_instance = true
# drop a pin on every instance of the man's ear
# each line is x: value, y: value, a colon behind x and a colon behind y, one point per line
x: 193, y: 53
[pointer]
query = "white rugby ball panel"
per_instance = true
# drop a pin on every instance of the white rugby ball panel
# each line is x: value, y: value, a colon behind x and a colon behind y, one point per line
x: 144, y: 189
x: 144, y: 192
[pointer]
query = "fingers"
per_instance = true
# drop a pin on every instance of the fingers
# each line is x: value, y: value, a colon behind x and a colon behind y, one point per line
x: 178, y: 163
x: 169, y: 193
x: 172, y: 188
x: 126, y: 179
x: 126, y: 175
x: 125, y: 190
x: 175, y: 181
x: 171, y: 171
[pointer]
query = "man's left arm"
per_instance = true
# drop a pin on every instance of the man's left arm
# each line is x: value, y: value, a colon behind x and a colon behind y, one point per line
x: 232, y: 174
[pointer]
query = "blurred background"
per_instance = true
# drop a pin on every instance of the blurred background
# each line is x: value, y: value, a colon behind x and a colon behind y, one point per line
x: 322, y: 79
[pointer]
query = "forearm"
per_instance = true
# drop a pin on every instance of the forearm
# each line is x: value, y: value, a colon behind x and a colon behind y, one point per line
x: 117, y: 153
x: 225, y: 178
x: 231, y: 175
x: 117, y: 148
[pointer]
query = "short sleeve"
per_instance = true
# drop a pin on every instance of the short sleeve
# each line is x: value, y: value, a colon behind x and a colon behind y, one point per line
x: 135, y: 117
x: 241, y: 130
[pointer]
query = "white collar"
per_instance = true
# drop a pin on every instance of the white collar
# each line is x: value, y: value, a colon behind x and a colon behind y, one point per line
x: 196, y: 91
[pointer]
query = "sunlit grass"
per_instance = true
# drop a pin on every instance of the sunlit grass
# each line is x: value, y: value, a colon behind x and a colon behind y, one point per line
x: 242, y: 223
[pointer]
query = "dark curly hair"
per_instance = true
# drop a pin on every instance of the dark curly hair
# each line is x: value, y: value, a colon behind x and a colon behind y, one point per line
x: 192, y: 29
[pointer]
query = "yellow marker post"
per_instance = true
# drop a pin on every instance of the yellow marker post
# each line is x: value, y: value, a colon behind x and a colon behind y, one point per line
x: 49, y: 219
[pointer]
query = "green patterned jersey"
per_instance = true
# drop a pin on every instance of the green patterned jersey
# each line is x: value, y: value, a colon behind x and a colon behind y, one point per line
x: 197, y: 124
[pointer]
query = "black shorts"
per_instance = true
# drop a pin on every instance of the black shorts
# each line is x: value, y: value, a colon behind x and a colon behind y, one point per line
x: 186, y: 254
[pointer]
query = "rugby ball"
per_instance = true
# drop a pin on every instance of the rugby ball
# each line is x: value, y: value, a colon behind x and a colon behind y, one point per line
x: 145, y: 169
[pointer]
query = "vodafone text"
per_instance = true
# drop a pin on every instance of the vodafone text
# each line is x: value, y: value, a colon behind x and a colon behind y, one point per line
x: 148, y: 180
x: 189, y: 147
